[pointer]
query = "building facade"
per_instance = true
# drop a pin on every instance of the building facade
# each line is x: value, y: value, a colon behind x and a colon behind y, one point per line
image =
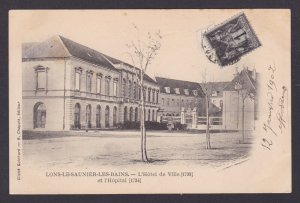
x: 240, y: 101
x: 69, y: 86
x: 177, y: 96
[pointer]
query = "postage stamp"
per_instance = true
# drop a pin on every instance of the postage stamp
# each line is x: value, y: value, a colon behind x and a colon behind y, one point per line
x: 232, y: 39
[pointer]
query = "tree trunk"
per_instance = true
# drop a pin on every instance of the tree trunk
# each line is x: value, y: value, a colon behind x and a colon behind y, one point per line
x: 142, y: 125
x: 243, y: 121
x: 208, y: 146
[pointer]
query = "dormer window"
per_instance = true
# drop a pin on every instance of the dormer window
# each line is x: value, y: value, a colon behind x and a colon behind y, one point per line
x: 167, y: 89
x: 186, y: 92
x: 195, y: 92
x: 214, y: 93
x: 177, y: 90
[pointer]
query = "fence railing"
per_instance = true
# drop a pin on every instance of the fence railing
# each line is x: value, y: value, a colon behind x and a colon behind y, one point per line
x: 212, y: 120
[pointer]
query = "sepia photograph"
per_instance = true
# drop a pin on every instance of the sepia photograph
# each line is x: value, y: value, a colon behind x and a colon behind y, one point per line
x: 150, y: 101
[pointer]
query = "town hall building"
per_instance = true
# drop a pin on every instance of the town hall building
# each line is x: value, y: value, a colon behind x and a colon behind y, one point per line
x: 69, y: 86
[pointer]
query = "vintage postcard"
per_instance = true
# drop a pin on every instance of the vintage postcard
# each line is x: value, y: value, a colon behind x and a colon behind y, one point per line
x: 150, y: 101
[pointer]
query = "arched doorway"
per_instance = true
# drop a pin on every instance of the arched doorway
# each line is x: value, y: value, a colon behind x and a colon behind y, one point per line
x: 130, y: 114
x: 88, y: 116
x: 39, y: 115
x: 125, y: 114
x: 98, y: 116
x: 77, y: 116
x: 153, y: 115
x: 107, y: 116
x: 149, y: 115
x: 115, y: 117
x: 136, y: 114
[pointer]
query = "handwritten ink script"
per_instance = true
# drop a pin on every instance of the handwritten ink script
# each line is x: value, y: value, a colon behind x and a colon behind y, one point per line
x: 276, y: 120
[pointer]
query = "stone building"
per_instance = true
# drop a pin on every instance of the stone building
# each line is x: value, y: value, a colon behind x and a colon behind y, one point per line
x: 216, y: 98
x: 241, y: 91
x: 69, y: 86
x: 178, y: 95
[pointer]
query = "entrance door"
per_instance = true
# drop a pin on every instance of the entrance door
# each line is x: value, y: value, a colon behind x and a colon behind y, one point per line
x: 77, y: 116
x: 107, y: 116
x: 40, y: 115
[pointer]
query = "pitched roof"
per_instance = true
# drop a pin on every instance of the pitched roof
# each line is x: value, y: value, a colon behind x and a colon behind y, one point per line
x: 86, y: 53
x: 181, y: 84
x: 51, y: 48
x: 59, y: 46
x: 217, y: 86
x: 117, y: 61
x: 245, y: 78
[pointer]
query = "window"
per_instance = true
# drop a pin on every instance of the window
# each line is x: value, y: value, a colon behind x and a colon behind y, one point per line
x: 88, y: 82
x: 168, y: 101
x: 124, y: 88
x: 173, y: 102
x: 129, y: 89
x: 134, y: 90
x: 77, y: 81
x: 115, y: 87
x: 41, y: 80
x: 78, y: 72
x: 177, y: 102
x: 149, y: 95
x: 139, y: 92
x: 195, y: 92
x: 153, y: 96
x: 186, y: 92
x: 177, y: 91
x: 163, y: 101
x: 41, y: 77
x: 214, y: 93
x: 98, y: 83
x: 167, y: 89
x: 144, y: 93
x: 107, y: 85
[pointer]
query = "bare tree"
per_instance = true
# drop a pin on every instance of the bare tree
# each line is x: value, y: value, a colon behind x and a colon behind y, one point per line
x: 244, y: 92
x: 142, y: 54
x: 208, y: 88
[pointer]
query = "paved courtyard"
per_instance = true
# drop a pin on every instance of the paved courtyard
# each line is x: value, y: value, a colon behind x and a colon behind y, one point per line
x: 122, y: 148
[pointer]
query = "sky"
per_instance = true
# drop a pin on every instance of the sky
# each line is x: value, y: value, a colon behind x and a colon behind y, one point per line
x: 180, y: 56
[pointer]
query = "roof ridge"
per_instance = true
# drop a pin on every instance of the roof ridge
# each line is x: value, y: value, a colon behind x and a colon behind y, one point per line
x: 177, y: 80
x: 64, y: 46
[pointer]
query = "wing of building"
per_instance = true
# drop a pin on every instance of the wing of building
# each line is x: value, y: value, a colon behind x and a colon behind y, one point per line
x: 240, y: 101
x: 67, y: 86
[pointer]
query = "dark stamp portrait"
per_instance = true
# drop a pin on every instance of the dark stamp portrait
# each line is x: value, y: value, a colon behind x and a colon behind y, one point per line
x: 232, y: 39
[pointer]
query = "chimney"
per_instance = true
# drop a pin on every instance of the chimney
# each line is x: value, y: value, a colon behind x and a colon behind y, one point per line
x: 254, y: 74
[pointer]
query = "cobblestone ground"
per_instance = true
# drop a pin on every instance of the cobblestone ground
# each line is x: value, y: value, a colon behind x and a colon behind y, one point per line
x: 122, y: 148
